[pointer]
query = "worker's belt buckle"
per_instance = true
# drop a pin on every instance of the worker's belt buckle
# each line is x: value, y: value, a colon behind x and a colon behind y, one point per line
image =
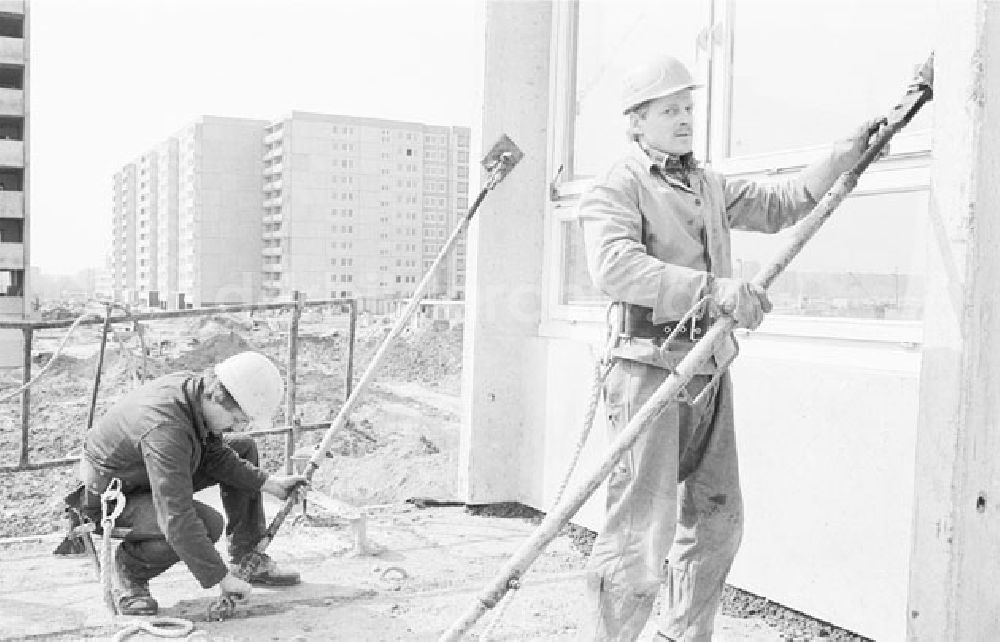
x: 692, y: 330
x: 638, y: 324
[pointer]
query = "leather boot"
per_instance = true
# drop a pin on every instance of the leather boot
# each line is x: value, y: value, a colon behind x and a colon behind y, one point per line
x: 269, y: 573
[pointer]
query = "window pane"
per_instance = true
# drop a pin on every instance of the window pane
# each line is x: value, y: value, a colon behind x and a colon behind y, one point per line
x: 575, y: 286
x: 614, y: 36
x: 806, y: 73
x: 866, y: 262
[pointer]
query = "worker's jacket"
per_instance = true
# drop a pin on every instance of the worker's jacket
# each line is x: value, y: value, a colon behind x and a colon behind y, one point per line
x: 651, y: 240
x: 155, y: 439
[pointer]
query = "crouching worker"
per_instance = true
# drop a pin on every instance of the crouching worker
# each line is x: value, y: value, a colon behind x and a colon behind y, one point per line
x: 656, y: 228
x: 169, y: 439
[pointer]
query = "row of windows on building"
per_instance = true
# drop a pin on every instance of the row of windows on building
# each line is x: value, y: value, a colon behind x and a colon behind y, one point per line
x: 349, y: 278
x: 462, y: 140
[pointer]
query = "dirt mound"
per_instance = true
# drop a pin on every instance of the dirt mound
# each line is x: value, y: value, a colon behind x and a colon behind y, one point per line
x: 423, y: 355
x: 208, y: 352
x: 216, y: 324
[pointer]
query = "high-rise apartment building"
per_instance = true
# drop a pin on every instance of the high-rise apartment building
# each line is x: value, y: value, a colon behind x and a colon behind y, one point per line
x: 187, y: 217
x: 123, y: 239
x: 359, y: 207
x: 220, y: 163
x: 166, y: 220
x: 231, y: 210
x: 14, y: 219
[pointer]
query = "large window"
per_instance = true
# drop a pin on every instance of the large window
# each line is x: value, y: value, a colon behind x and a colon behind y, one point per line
x: 804, y: 73
x: 867, y: 261
x: 612, y: 36
x: 784, y: 78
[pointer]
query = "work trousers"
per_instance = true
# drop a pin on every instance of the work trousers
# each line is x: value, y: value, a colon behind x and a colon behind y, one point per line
x: 674, y: 513
x: 145, y: 553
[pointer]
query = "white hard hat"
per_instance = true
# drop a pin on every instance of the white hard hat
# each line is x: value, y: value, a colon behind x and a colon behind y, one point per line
x: 656, y: 78
x: 254, y: 383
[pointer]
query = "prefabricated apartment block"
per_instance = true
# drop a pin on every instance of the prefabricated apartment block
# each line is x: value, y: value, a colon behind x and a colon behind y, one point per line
x: 235, y: 210
x: 14, y: 184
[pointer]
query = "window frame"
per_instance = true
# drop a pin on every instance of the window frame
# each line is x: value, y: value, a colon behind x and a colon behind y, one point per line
x: 907, y: 168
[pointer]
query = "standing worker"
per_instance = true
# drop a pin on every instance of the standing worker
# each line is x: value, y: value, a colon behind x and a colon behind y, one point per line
x: 165, y: 441
x: 656, y: 230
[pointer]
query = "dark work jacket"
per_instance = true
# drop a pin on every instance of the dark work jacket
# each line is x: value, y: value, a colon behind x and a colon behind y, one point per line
x: 154, y: 439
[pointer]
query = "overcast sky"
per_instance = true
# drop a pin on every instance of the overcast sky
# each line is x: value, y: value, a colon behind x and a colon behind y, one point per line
x: 111, y: 78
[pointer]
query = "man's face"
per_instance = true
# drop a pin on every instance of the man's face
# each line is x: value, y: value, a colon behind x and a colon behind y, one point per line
x: 668, y: 124
x: 223, y: 417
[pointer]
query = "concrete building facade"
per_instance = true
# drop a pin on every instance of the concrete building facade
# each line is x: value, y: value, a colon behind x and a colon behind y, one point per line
x: 220, y: 162
x: 359, y: 207
x: 147, y: 181
x: 166, y: 220
x: 123, y: 238
x: 872, y: 354
x: 14, y: 175
x: 187, y: 217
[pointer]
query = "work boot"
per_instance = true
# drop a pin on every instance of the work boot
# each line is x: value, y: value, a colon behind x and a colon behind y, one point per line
x: 268, y: 572
x: 131, y: 594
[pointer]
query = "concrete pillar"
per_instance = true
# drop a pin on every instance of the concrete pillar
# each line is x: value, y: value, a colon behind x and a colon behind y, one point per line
x: 505, y: 254
x: 954, y: 589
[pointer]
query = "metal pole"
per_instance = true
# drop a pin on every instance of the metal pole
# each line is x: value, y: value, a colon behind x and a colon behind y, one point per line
x: 352, y: 331
x: 668, y: 391
x: 501, y: 159
x: 293, y: 359
x: 26, y: 397
x: 98, y: 367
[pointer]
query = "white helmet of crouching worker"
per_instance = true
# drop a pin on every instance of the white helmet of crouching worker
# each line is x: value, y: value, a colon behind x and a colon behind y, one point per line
x: 655, y: 78
x: 254, y: 383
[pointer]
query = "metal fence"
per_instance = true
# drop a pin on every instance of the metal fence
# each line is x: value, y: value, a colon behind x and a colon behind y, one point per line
x: 292, y: 427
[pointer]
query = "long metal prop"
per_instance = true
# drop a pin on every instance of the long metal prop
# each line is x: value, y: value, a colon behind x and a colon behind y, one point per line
x: 919, y: 92
x: 501, y: 159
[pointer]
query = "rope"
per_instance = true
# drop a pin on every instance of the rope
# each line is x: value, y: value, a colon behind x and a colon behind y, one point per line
x: 69, y: 332
x: 602, y: 367
x: 512, y: 587
x: 164, y: 627
x: 112, y: 506
x: 80, y: 319
x: 109, y: 514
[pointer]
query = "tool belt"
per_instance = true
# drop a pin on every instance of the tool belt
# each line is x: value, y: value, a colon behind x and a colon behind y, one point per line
x: 636, y: 322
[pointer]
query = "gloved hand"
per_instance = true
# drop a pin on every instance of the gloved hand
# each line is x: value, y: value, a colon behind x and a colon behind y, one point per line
x: 820, y: 175
x: 856, y: 144
x: 743, y: 300
x: 281, y: 486
x: 235, y: 587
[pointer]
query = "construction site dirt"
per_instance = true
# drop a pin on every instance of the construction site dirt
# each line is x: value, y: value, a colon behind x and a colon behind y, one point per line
x: 427, y: 555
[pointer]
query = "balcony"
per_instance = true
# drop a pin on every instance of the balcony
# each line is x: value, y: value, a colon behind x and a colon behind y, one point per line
x: 11, y: 204
x: 272, y: 169
x: 11, y: 51
x: 274, y: 136
x: 277, y: 234
x: 273, y: 218
x: 11, y: 153
x: 273, y: 202
x: 12, y: 256
x: 272, y: 186
x: 276, y: 152
x: 271, y: 251
x: 11, y: 102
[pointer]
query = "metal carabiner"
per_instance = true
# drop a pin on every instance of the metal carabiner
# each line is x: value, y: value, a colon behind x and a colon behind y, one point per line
x: 113, y: 493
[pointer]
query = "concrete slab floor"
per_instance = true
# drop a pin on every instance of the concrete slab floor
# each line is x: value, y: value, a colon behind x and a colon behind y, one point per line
x: 434, y: 563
